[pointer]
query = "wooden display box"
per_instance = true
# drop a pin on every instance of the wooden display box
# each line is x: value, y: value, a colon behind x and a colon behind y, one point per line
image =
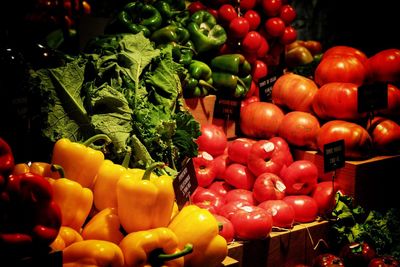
x: 370, y: 182
x: 202, y: 108
x: 282, y: 249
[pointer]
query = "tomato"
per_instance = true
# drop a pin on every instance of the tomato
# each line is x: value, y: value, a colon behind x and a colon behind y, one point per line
x: 289, y: 35
x: 298, y: 55
x: 357, y: 254
x: 247, y: 4
x: 340, y: 68
x: 281, y: 212
x: 337, y: 100
x: 240, y: 194
x: 326, y: 260
x: 324, y: 194
x: 196, y: 6
x: 227, y: 231
x: 300, y: 177
x: 226, y: 13
x: 207, y: 199
x: 251, y: 223
x: 343, y: 50
x: 384, y: 261
x: 274, y: 26
x: 259, y: 70
x: 239, y: 176
x: 238, y: 27
x: 212, y: 139
x: 263, y: 49
x: 260, y: 120
x: 300, y: 129
x: 305, y: 207
x: 239, y: 149
x: 357, y: 141
x: 249, y: 99
x: 220, y: 164
x: 251, y: 42
x: 204, y: 168
x: 287, y: 13
x: 294, y: 91
x: 232, y: 206
x: 271, y: 7
x: 385, y: 135
x: 268, y: 186
x: 384, y: 66
x: 254, y: 19
x: 220, y: 187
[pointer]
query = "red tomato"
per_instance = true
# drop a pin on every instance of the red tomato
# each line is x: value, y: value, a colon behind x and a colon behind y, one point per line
x: 268, y: 186
x: 289, y: 35
x: 220, y: 187
x: 282, y: 213
x: 231, y: 207
x: 251, y: 222
x: 212, y: 139
x: 254, y: 19
x: 238, y: 27
x: 196, y: 6
x: 207, y: 199
x: 340, y: 68
x: 240, y: 194
x: 274, y: 26
x: 300, y: 129
x: 287, y: 13
x: 220, y: 164
x: 227, y: 232
x: 247, y: 4
x: 251, y: 42
x: 305, y: 207
x: 226, y: 13
x: 239, y: 176
x: 260, y: 120
x: 300, y: 177
x: 259, y: 70
x: 324, y: 194
x: 357, y: 141
x: 271, y: 7
x: 326, y: 260
x: 385, y: 135
x: 337, y: 100
x: 294, y: 91
x: 357, y: 254
x: 343, y: 50
x: 384, y: 261
x: 263, y: 49
x: 204, y: 168
x: 239, y: 149
x: 384, y: 66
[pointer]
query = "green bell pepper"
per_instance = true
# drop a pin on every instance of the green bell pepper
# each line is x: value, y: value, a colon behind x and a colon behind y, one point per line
x: 231, y: 74
x: 198, y: 80
x: 170, y: 33
x: 204, y: 31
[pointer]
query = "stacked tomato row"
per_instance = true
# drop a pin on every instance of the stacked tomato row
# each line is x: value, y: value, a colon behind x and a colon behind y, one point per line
x: 253, y: 186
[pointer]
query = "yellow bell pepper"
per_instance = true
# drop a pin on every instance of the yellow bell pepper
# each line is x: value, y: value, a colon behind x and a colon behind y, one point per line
x: 154, y: 247
x: 145, y: 201
x: 41, y: 168
x: 93, y: 253
x: 199, y: 227
x: 66, y: 236
x: 79, y: 161
x: 74, y: 200
x: 104, y: 225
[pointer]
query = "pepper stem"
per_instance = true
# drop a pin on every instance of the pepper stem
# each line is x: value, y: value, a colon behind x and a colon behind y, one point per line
x: 150, y: 169
x: 97, y: 137
x: 127, y: 158
x: 59, y: 169
x: 207, y: 85
x: 167, y: 257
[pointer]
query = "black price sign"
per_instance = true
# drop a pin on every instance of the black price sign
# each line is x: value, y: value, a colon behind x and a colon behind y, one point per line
x: 372, y: 97
x: 334, y: 156
x: 227, y: 109
x: 185, y: 183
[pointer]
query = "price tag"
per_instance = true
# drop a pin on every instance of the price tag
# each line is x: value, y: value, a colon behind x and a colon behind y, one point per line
x: 185, y: 183
x: 372, y: 97
x: 334, y: 155
x: 227, y: 109
x: 265, y: 84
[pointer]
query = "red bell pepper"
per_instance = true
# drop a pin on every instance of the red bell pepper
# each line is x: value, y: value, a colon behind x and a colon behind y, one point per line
x: 30, y: 218
x: 6, y: 161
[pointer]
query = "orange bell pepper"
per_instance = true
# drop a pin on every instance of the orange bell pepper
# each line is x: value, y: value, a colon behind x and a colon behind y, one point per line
x: 66, y: 236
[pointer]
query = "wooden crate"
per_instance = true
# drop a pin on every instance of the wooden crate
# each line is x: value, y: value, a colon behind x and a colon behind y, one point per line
x: 282, y: 249
x: 202, y: 108
x: 370, y: 182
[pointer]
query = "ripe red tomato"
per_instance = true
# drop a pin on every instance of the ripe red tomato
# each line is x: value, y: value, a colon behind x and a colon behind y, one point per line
x: 357, y: 141
x: 231, y: 206
x: 271, y: 7
x: 305, y: 207
x: 384, y: 66
x: 324, y: 194
x: 220, y: 187
x: 260, y: 120
x: 251, y: 42
x: 294, y: 91
x: 268, y: 186
x: 251, y: 222
x: 326, y: 260
x: 259, y: 70
x: 385, y: 135
x: 239, y: 149
x: 239, y: 176
x: 247, y: 4
x: 241, y: 195
x: 196, y: 6
x: 212, y: 139
x: 289, y: 35
x: 300, y: 129
x: 337, y: 100
x: 204, y: 168
x: 282, y: 213
x: 357, y: 254
x: 227, y: 231
x: 287, y: 13
x: 207, y: 199
x: 384, y: 261
x: 220, y: 164
x: 226, y: 13
x: 238, y: 27
x: 340, y: 68
x: 254, y: 19
x: 300, y: 177
x: 274, y: 26
x: 343, y: 50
